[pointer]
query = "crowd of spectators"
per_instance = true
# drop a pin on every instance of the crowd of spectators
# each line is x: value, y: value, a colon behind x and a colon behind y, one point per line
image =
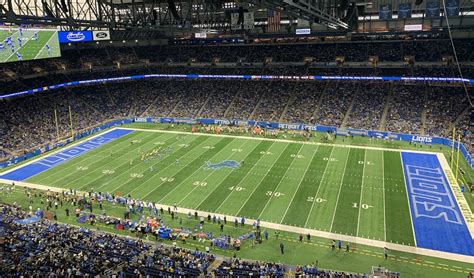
x: 50, y: 249
x: 406, y: 107
x: 30, y: 122
x: 240, y: 268
x: 303, y: 103
x: 444, y: 105
x: 335, y: 103
x: 367, y: 114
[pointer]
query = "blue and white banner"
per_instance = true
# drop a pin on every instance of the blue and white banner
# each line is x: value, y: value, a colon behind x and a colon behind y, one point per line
x: 432, y: 9
x: 404, y: 10
x: 74, y: 36
x: 452, y: 7
x: 385, y: 12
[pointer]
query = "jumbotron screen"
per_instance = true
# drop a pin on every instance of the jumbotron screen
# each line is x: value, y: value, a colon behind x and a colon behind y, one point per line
x: 22, y: 43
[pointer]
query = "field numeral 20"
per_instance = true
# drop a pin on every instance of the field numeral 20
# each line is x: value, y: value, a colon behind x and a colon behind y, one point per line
x: 364, y: 206
x: 276, y: 194
x: 136, y: 175
x: 200, y: 183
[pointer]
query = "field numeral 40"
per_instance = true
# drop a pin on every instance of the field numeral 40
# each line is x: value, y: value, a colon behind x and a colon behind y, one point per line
x: 236, y: 188
x: 364, y: 206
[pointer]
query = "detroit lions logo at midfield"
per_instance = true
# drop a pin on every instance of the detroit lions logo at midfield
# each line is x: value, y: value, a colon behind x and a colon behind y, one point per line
x: 222, y: 164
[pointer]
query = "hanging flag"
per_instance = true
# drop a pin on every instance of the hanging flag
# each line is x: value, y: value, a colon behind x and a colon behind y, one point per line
x: 273, y: 19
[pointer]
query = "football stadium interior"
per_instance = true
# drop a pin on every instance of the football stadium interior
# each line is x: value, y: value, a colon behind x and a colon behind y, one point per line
x: 236, y: 138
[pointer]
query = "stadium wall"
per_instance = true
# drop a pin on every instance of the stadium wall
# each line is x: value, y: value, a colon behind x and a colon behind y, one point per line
x: 428, y: 140
x: 63, y: 143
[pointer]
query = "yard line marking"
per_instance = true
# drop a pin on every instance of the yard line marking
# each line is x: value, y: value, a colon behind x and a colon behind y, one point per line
x: 213, y: 172
x: 300, y: 230
x: 361, y: 193
x: 159, y: 171
x: 58, y: 150
x: 279, y: 183
x: 408, y: 200
x: 181, y: 168
x: 258, y: 185
x: 319, y: 187
x: 285, y: 141
x: 443, y: 264
x: 41, y: 49
x: 235, y: 185
x: 178, y: 185
x: 383, y: 194
x: 339, y: 192
x: 115, y: 177
x: 18, y: 49
x: 251, y: 169
x: 88, y: 158
x: 299, y: 184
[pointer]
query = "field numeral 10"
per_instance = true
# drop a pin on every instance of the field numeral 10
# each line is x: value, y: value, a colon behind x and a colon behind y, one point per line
x: 364, y: 206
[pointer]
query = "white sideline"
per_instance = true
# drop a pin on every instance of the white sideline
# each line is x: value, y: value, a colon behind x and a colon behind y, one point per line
x: 281, y: 140
x: 298, y: 230
x: 458, y: 195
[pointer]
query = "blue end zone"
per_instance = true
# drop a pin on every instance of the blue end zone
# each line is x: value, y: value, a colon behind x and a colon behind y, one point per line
x: 437, y: 220
x: 51, y: 161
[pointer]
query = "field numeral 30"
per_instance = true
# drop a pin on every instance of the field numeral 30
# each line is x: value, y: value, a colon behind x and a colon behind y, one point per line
x: 276, y: 194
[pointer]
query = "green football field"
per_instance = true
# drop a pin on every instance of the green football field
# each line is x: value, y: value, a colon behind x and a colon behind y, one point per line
x: 344, y: 190
x: 30, y: 49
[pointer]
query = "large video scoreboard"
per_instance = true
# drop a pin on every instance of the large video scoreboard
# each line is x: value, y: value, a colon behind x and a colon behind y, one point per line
x: 22, y: 43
